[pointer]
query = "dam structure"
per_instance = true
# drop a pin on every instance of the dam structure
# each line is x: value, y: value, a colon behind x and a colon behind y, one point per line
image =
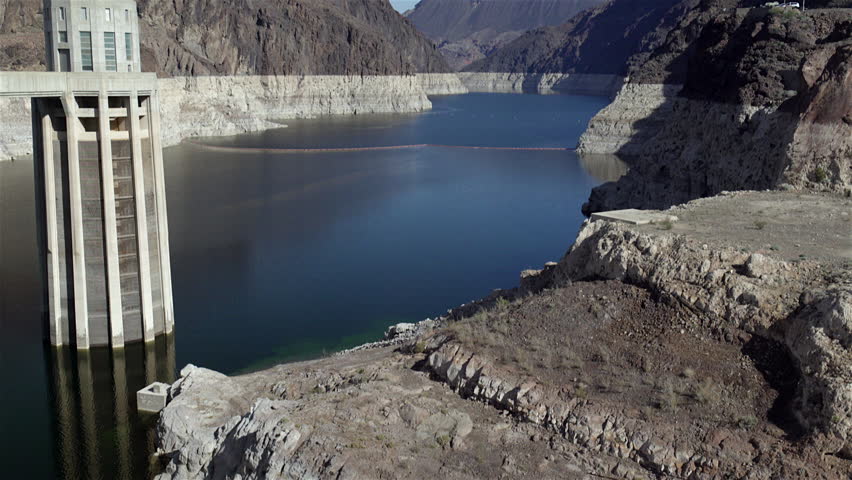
x: 100, y: 191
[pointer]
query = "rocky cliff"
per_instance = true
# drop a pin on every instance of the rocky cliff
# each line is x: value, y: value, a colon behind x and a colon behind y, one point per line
x: 598, y: 41
x: 236, y: 37
x: 764, y: 103
x: 468, y: 30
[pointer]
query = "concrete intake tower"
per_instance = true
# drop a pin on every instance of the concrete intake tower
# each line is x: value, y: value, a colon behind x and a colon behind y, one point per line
x: 100, y: 192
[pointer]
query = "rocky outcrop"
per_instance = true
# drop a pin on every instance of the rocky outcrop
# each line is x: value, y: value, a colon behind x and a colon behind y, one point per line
x: 16, y: 136
x: 747, y: 291
x: 583, y: 357
x: 634, y: 117
x: 820, y: 338
x: 763, y: 105
x: 242, y: 37
x: 468, y: 30
x: 577, y: 84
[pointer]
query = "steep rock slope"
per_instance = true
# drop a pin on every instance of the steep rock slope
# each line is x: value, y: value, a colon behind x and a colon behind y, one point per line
x: 599, y: 41
x: 228, y: 37
x: 765, y: 102
x: 468, y: 30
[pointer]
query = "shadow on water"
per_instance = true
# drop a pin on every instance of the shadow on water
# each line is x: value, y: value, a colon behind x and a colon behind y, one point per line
x: 98, y: 434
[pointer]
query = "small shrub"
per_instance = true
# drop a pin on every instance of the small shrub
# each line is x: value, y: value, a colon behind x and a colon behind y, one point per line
x: 747, y: 422
x: 668, y: 399
x: 602, y: 354
x: 419, y: 347
x: 820, y: 174
x: 443, y: 440
x: 502, y: 304
x: 361, y: 371
x: 688, y: 373
x: 707, y: 393
x: 581, y: 391
x: 666, y: 225
x: 645, y: 364
x: 759, y: 224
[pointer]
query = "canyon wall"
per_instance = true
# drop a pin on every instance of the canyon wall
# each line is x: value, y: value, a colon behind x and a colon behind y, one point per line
x: 468, y: 30
x: 571, y: 83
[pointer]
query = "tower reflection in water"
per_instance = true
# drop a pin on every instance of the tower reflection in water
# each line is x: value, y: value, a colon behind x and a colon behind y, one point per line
x: 98, y: 432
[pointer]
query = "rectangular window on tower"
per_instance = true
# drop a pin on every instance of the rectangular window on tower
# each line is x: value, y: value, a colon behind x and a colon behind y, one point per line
x: 84, y: 13
x: 127, y: 16
x: 109, y: 52
x: 62, y: 13
x: 63, y: 37
x: 128, y: 46
x: 108, y: 14
x: 86, y: 51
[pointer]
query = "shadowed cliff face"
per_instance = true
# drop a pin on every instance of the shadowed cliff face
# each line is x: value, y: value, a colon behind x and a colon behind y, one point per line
x: 468, y: 30
x: 766, y: 102
x: 227, y: 37
x: 600, y: 40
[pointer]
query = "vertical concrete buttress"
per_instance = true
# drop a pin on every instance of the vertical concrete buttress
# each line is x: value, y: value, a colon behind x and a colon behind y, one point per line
x: 78, y: 254
x: 116, y: 322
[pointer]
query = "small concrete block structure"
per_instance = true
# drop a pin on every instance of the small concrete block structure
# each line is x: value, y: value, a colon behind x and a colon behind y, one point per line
x: 152, y: 398
x: 633, y: 217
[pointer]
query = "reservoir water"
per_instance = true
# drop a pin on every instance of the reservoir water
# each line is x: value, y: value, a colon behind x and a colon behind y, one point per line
x: 282, y: 256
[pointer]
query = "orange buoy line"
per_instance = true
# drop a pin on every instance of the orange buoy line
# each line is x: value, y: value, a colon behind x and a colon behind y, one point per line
x: 366, y: 149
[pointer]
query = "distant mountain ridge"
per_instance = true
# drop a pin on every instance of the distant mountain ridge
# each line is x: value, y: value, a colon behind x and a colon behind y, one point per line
x: 228, y: 37
x: 601, y: 40
x: 468, y: 30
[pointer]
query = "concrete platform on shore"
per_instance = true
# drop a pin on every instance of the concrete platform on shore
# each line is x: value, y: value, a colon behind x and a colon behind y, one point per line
x: 633, y: 216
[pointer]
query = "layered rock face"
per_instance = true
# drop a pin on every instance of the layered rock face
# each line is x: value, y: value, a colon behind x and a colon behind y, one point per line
x: 573, y: 83
x: 210, y: 106
x: 468, y: 30
x: 441, y: 84
x: 765, y: 102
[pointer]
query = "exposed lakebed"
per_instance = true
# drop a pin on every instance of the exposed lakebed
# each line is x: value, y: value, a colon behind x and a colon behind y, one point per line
x: 278, y: 257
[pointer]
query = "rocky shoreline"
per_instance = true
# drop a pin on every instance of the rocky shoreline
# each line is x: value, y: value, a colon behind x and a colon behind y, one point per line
x: 720, y: 346
x: 229, y: 105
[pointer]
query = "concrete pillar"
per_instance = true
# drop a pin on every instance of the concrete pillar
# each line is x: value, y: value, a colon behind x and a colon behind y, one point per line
x: 81, y: 315
x: 141, y: 220
x: 162, y: 217
x: 113, y: 276
x: 43, y: 152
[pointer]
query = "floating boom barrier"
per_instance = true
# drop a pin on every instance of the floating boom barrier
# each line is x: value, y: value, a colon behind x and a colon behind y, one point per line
x: 370, y: 149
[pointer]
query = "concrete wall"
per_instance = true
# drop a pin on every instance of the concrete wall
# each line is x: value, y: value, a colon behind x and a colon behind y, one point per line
x: 68, y: 16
